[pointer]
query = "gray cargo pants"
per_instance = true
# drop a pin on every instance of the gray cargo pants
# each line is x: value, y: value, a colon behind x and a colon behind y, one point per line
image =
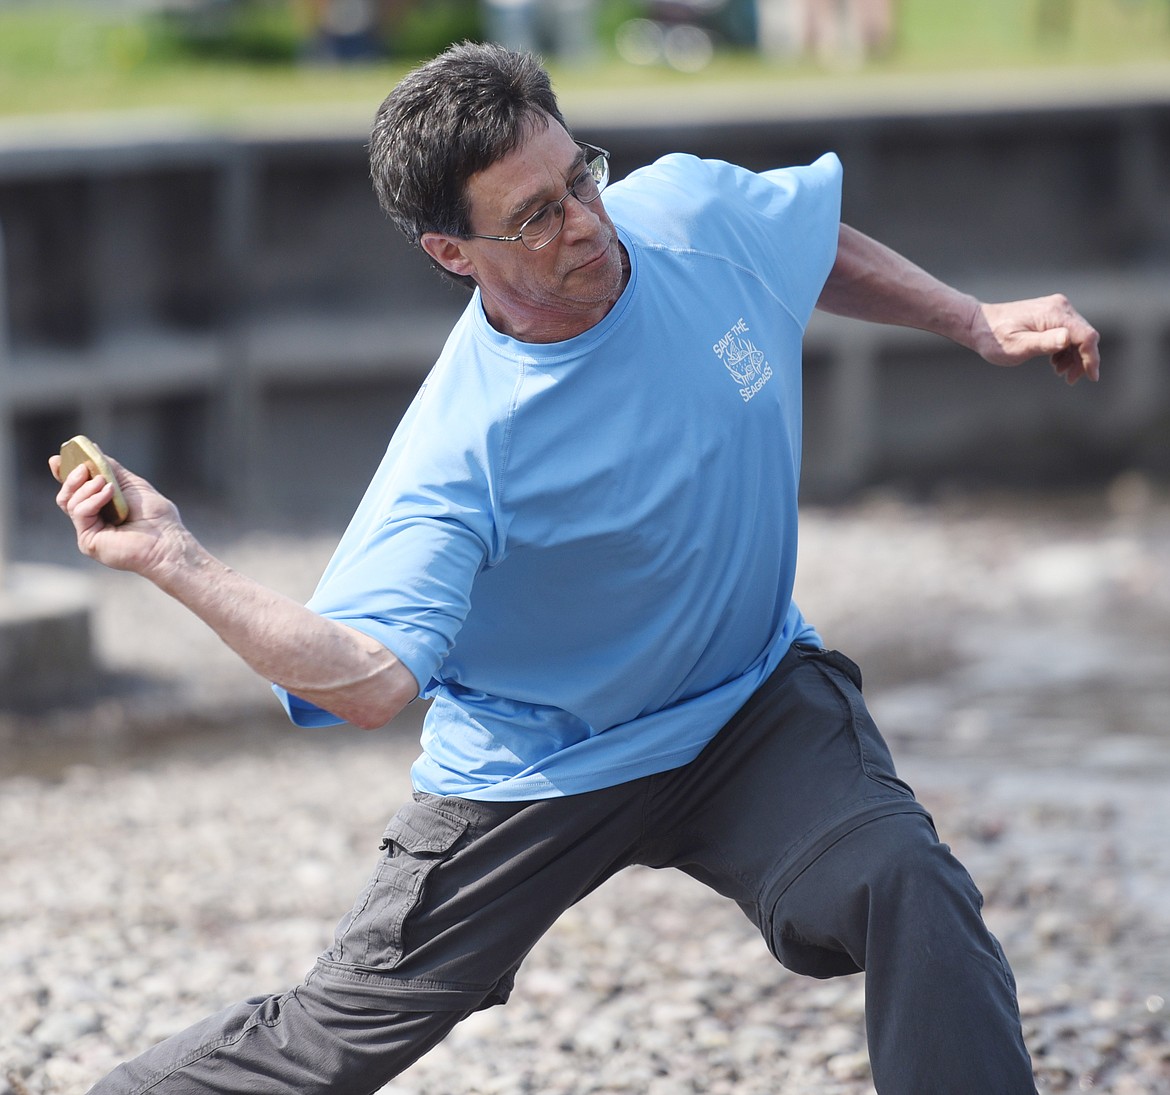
x: 794, y: 811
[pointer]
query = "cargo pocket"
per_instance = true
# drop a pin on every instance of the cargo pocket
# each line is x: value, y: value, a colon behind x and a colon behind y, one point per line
x: 416, y: 841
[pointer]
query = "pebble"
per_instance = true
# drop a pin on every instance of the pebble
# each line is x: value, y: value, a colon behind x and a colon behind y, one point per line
x: 152, y: 876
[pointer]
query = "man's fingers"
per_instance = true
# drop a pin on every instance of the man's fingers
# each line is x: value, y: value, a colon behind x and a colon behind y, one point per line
x: 1068, y: 368
x: 1024, y: 344
x: 1078, y: 359
x: 83, y: 496
x: 1090, y: 354
x: 1073, y: 352
x: 1050, y: 343
x: 88, y: 499
x: 70, y: 484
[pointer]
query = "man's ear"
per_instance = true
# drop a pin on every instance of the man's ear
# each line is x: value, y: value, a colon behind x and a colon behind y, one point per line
x: 447, y: 251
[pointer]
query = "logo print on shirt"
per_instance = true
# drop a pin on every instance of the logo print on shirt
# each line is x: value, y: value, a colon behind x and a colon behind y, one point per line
x: 746, y: 364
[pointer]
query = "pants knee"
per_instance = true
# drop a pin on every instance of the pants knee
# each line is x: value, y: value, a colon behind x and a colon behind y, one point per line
x: 918, y: 879
x: 888, y: 884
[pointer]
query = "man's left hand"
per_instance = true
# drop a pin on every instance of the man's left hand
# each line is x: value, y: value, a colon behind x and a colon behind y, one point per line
x: 1017, y: 331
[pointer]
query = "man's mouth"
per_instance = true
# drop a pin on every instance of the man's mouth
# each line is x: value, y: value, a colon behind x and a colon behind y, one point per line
x: 600, y: 257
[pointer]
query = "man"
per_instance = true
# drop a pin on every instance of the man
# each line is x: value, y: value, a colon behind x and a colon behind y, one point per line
x: 581, y: 546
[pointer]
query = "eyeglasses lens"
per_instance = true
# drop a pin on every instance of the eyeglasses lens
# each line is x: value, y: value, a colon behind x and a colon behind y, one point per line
x: 545, y: 225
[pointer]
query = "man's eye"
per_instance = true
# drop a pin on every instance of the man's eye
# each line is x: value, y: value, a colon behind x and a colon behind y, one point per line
x: 539, y: 217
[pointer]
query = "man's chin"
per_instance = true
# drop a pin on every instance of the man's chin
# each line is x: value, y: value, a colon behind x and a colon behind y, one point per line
x: 604, y: 272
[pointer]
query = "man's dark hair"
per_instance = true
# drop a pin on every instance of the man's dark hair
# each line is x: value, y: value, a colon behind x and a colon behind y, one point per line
x: 450, y: 118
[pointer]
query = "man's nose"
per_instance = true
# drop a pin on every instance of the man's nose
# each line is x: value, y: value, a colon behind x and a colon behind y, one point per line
x: 581, y: 219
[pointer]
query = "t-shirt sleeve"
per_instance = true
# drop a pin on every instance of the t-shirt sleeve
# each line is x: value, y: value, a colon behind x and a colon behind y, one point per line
x: 787, y: 223
x: 409, y: 588
x: 783, y: 223
x: 404, y: 570
x: 810, y: 200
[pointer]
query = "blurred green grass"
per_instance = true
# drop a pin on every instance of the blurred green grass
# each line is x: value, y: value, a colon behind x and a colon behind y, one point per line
x: 62, y: 57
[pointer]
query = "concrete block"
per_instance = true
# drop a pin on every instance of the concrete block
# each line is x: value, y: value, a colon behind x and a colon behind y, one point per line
x: 46, y: 649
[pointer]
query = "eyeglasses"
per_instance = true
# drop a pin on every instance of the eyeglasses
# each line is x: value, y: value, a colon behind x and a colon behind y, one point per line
x: 546, y: 223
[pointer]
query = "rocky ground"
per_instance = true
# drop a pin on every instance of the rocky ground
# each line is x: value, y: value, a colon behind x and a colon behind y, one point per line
x: 172, y: 847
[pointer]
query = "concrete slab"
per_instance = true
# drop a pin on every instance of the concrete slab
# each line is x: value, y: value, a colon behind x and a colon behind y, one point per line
x: 46, y: 648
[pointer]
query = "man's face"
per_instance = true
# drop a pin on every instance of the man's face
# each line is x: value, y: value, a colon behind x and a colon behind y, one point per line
x: 567, y: 286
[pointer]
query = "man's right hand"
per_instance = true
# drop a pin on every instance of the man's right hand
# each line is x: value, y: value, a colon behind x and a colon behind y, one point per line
x: 150, y: 536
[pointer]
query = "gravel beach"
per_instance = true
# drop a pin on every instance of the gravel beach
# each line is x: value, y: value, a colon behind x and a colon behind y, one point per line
x: 174, y: 845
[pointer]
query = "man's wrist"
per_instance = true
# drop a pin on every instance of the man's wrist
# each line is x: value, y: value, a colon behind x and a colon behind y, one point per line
x: 967, y: 323
x: 179, y: 562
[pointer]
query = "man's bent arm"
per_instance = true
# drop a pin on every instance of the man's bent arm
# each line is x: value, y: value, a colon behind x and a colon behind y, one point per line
x: 870, y: 281
x: 337, y: 668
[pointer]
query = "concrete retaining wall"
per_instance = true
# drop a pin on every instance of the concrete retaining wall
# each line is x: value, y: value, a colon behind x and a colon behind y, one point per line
x: 230, y: 313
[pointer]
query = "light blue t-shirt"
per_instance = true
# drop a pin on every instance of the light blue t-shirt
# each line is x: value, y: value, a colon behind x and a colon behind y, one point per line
x: 585, y: 551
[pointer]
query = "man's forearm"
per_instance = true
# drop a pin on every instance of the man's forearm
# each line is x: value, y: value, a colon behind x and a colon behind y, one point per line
x: 869, y: 281
x: 338, y: 668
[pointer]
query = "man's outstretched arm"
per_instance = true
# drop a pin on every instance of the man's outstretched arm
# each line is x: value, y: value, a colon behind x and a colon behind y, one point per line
x: 870, y: 281
x: 338, y: 668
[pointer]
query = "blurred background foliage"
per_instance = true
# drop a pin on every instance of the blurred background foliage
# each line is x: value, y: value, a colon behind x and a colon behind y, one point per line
x: 216, y: 54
